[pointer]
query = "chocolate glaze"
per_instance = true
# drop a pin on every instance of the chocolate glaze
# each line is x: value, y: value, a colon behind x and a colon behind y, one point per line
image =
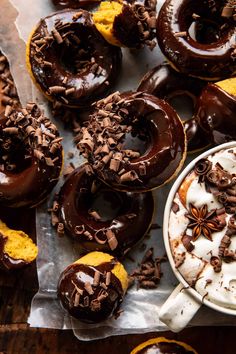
x: 7, y: 262
x: 75, y: 4
x: 165, y: 139
x: 75, y: 199
x: 209, y: 61
x: 126, y: 26
x: 29, y: 186
x: 88, y: 86
x: 164, y: 82
x: 79, y: 274
x: 215, y: 113
x: 165, y: 348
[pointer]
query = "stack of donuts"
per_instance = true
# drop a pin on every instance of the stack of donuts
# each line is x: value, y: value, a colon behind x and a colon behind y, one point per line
x: 133, y: 142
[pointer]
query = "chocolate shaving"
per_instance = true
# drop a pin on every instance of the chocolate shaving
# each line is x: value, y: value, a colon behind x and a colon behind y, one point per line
x: 216, y: 263
x: 149, y: 273
x: 186, y: 240
x: 112, y: 240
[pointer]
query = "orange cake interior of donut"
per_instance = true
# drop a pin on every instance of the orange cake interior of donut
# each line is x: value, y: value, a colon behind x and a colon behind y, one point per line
x: 17, y: 244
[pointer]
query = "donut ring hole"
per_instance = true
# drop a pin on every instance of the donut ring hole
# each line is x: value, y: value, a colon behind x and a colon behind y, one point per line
x: 140, y: 138
x: 106, y: 202
x: 183, y: 102
x: 205, y: 31
x: 75, y: 59
x: 14, y: 155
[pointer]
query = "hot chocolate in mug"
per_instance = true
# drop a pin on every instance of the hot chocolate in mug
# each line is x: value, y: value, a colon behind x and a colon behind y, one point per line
x: 200, y: 237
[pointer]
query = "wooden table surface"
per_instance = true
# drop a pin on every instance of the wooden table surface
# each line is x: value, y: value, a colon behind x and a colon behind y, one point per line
x: 17, y: 290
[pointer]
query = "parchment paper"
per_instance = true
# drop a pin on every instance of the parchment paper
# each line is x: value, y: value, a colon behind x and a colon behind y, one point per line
x: 141, y: 307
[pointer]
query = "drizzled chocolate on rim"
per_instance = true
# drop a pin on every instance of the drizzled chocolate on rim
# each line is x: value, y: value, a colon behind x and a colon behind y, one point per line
x: 133, y: 141
x: 90, y: 293
x: 202, y: 228
x: 70, y: 60
x: 30, y: 156
x: 198, y: 37
x: 99, y: 218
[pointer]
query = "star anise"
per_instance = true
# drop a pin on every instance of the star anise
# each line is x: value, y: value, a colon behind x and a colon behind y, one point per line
x: 201, y: 221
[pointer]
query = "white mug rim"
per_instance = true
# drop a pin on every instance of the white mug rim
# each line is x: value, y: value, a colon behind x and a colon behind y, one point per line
x: 167, y: 211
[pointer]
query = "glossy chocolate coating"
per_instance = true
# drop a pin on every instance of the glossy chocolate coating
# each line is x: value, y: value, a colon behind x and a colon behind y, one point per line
x: 7, y: 262
x: 30, y: 186
x: 132, y: 220
x: 208, y: 61
x: 166, y: 145
x: 75, y: 4
x: 88, y: 86
x: 216, y: 114
x: 79, y: 274
x: 126, y: 26
x: 165, y: 348
x: 166, y: 83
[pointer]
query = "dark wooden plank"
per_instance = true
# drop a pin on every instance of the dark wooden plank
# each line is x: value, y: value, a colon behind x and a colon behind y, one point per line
x: 19, y: 339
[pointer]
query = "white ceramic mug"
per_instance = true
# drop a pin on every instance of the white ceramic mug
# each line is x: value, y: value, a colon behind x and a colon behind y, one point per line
x: 185, y: 301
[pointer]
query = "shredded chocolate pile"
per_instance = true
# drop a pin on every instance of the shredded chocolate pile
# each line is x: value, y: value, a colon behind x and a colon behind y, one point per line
x: 149, y: 273
x: 101, y: 140
x: 7, y: 86
x: 136, y: 25
x: 29, y: 131
x: 218, y: 182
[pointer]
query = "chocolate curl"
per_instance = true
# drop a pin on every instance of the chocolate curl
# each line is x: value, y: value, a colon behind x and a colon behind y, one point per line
x: 213, y: 177
x: 216, y: 263
x: 105, y: 149
x: 38, y: 154
x: 79, y: 229
x: 132, y: 154
x: 114, y: 165
x: 111, y: 143
x: 57, y: 36
x: 107, y: 158
x: 112, y: 240
x: 202, y: 167
x: 106, y: 122
x: 224, y: 243
x: 86, y: 144
x: 96, y: 278
x: 88, y: 288
x: 228, y: 10
x: 129, y: 176
x: 56, y: 90
x: 100, y: 237
x: 88, y: 170
x: 94, y: 215
x: 186, y: 240
x: 232, y: 223
x: 11, y: 130
x: 229, y: 255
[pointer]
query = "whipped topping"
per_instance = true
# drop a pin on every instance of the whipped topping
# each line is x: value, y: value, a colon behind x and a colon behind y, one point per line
x: 194, y: 258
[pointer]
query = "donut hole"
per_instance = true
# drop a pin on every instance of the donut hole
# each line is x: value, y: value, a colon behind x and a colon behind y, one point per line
x: 14, y: 156
x: 75, y: 59
x: 183, y: 103
x: 205, y: 31
x: 107, y: 203
x: 139, y: 139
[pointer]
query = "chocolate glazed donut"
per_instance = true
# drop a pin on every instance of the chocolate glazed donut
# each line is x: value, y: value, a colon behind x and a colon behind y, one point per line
x: 30, y: 157
x: 216, y: 113
x: 70, y: 61
x: 99, y: 218
x: 134, y: 141
x: 211, y: 55
x: 166, y: 83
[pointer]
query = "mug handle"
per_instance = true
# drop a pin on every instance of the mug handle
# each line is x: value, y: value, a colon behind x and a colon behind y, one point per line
x: 179, y: 309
